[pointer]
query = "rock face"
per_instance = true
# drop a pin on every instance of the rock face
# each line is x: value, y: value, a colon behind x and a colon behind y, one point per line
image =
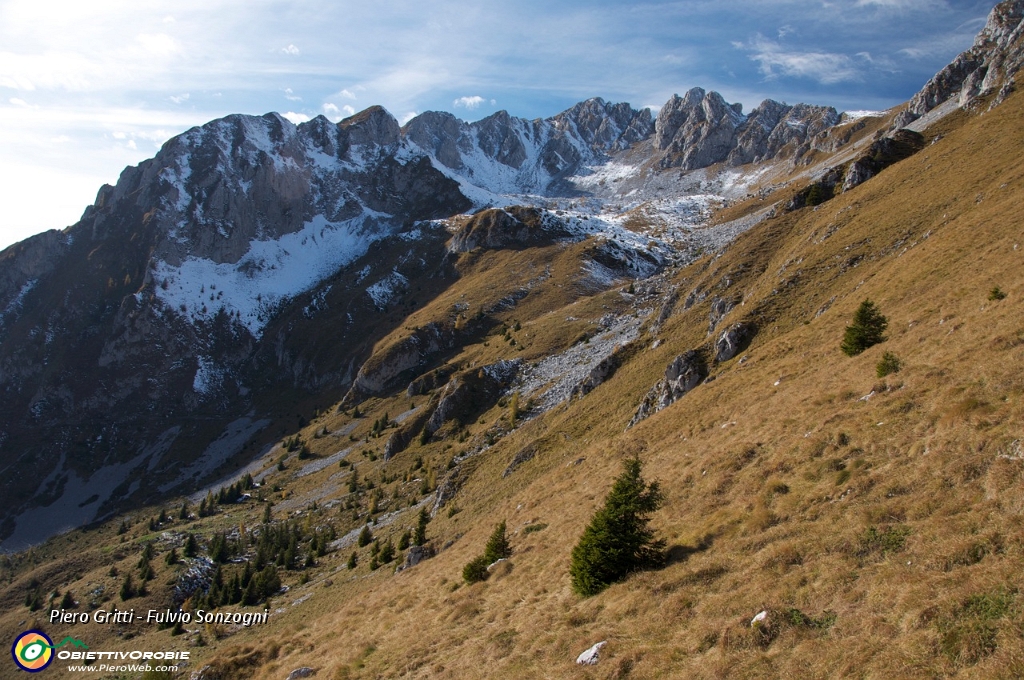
x: 387, y: 367
x: 598, y: 374
x: 882, y: 153
x: 700, y: 129
x: 470, y: 392
x: 990, y: 65
x: 515, y: 227
x: 684, y: 373
x: 733, y: 340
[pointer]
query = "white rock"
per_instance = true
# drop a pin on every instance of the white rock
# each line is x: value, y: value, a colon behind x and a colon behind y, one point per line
x: 761, y: 616
x: 590, y: 657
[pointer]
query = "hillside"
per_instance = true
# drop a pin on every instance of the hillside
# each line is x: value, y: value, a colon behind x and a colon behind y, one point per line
x: 876, y: 520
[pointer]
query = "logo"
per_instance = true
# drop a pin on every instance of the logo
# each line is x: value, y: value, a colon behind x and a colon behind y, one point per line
x: 33, y: 650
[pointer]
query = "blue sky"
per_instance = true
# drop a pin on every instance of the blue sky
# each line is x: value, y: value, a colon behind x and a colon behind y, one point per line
x: 88, y: 88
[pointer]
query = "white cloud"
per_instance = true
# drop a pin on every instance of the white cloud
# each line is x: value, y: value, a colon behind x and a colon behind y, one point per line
x: 824, y: 67
x: 158, y: 44
x: 295, y: 118
x: 180, y: 99
x: 291, y: 49
x: 335, y: 113
x: 347, y: 94
x: 131, y: 144
x: 20, y: 102
x: 407, y: 117
x: 470, y: 103
x: 60, y: 139
x: 291, y: 96
x: 903, y: 5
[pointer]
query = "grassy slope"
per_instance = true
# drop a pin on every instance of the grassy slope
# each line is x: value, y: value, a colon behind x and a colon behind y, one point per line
x: 900, y: 513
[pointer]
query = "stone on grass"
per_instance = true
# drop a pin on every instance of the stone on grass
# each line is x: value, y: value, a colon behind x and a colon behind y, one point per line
x: 590, y: 657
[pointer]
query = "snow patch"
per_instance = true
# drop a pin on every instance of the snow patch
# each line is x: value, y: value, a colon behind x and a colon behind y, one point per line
x: 269, y: 274
x: 15, y: 304
x: 386, y: 289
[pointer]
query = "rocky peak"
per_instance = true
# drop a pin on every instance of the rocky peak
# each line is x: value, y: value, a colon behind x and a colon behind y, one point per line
x: 438, y: 133
x: 499, y: 138
x: 605, y: 126
x: 372, y: 127
x: 990, y: 65
x: 700, y: 129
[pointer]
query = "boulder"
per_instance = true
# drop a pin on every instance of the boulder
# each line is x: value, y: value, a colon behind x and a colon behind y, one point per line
x: 592, y: 655
x: 416, y: 554
x: 733, y: 340
x: 304, y: 672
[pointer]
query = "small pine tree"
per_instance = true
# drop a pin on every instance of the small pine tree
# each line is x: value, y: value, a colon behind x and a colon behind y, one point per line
x: 67, y: 602
x: 420, y: 537
x: 868, y: 329
x: 127, y: 591
x: 365, y: 536
x: 890, y: 363
x: 172, y: 557
x: 353, y: 560
x: 497, y: 547
x: 476, y: 570
x: 183, y: 512
x: 191, y: 546
x: 387, y: 552
x: 404, y: 540
x: 618, y: 540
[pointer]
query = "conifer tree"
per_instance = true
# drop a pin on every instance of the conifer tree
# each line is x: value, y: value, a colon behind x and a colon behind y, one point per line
x: 420, y: 537
x: 618, y: 540
x: 364, y: 536
x: 868, y: 329
x: 497, y: 547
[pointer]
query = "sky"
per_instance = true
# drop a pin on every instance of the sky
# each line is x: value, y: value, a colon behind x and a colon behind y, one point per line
x: 88, y: 88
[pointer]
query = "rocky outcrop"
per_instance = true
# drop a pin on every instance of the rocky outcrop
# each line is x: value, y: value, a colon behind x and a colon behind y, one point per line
x: 515, y: 227
x: 734, y: 340
x: 700, y: 129
x: 387, y: 366
x: 470, y: 392
x: 597, y: 376
x: 524, y: 455
x: 882, y: 153
x: 989, y: 66
x: 416, y: 554
x: 719, y: 308
x: 684, y: 373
